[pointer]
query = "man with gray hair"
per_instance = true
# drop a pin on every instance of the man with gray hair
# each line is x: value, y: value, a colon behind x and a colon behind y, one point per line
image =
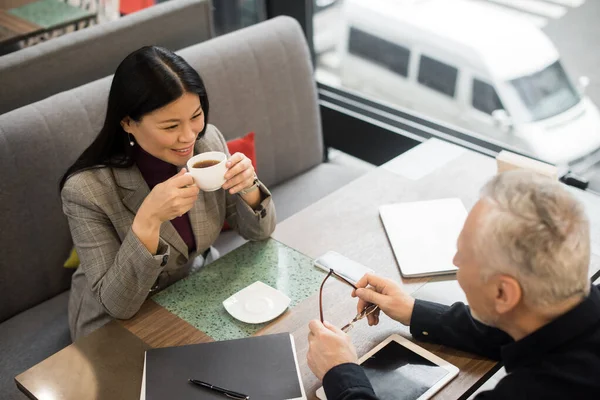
x: 523, y: 258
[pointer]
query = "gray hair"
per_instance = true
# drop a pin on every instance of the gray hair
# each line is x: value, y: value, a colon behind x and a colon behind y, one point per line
x: 537, y: 232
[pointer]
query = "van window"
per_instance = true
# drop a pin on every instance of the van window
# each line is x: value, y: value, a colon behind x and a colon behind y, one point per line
x: 379, y: 51
x: 437, y: 75
x: 485, y: 98
x: 546, y: 93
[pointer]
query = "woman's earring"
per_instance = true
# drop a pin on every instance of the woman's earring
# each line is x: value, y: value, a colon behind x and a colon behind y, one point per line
x: 131, y: 142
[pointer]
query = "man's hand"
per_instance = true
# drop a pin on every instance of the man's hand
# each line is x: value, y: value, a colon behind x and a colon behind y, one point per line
x: 328, y: 347
x: 388, y: 295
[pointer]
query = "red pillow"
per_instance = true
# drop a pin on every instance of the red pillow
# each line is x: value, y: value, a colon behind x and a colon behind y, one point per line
x: 244, y: 145
x: 131, y: 6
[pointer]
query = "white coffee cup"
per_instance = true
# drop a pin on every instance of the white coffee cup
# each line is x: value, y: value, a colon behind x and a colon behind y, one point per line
x: 211, y: 178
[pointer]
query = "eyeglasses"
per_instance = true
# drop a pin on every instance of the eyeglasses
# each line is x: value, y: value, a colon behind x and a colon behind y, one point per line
x: 370, y: 309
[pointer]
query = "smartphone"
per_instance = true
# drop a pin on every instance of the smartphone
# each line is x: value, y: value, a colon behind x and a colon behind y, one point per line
x: 342, y: 265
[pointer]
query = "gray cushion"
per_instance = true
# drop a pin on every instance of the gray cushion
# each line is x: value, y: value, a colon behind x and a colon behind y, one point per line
x: 37, y: 145
x: 37, y: 72
x: 30, y: 337
x: 303, y: 190
x: 228, y: 241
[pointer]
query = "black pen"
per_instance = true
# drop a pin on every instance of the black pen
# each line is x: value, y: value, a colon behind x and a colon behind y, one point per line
x: 228, y: 393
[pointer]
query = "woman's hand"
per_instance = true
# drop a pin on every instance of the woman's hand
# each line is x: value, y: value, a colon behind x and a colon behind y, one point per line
x: 170, y: 199
x: 240, y: 173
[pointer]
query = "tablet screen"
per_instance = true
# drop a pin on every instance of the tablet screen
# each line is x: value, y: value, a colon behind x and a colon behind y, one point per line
x: 398, y: 373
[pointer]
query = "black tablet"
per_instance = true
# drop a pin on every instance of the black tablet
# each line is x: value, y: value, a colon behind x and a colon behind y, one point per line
x: 400, y: 370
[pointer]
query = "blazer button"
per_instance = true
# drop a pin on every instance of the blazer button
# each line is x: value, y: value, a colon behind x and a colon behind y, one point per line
x: 164, y: 260
x: 263, y: 213
x: 156, y: 286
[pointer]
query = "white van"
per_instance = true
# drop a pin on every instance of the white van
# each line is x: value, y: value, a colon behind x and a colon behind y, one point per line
x: 459, y: 62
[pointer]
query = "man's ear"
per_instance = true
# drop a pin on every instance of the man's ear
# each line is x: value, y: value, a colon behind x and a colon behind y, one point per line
x: 508, y: 294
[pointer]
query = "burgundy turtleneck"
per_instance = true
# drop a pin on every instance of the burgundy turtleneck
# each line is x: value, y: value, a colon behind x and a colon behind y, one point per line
x: 156, y: 171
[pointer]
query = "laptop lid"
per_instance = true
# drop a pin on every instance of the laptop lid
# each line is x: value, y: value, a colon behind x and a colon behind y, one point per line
x: 423, y: 234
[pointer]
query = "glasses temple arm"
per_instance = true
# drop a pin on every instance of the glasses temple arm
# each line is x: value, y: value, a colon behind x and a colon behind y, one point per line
x: 321, y: 295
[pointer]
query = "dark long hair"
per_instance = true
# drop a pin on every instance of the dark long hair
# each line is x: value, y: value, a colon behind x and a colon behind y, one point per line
x: 146, y: 80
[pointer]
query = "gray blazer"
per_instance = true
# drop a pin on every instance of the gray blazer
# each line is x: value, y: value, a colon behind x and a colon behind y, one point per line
x: 117, y: 273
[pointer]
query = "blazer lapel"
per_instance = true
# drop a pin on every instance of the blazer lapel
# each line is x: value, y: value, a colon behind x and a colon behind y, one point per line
x: 198, y: 220
x: 135, y: 192
x: 197, y: 214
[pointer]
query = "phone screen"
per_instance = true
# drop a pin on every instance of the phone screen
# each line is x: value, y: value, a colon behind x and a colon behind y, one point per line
x: 398, y: 373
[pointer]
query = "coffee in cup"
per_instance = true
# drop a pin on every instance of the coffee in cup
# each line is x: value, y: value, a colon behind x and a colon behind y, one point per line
x: 208, y: 170
x: 205, y: 163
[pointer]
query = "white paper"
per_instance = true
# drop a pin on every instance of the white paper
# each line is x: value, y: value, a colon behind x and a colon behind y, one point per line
x: 423, y: 234
x: 424, y: 159
x: 298, y: 370
x: 143, y: 391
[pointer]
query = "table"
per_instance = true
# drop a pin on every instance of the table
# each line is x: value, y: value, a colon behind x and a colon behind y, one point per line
x: 37, y: 19
x: 346, y: 221
x: 13, y: 29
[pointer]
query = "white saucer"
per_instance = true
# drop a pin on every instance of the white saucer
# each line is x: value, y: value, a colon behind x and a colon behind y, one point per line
x: 257, y: 303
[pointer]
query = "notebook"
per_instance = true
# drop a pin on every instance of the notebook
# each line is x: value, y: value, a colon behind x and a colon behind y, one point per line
x: 423, y: 234
x: 263, y: 367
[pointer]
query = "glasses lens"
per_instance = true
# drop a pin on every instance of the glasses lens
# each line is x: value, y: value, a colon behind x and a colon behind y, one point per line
x: 366, y: 311
x: 371, y: 309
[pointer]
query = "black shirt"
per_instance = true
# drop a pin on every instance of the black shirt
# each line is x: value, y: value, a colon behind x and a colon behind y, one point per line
x: 561, y: 360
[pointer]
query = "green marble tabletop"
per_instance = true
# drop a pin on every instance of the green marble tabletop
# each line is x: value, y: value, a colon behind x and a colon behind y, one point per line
x: 198, y: 298
x: 50, y: 13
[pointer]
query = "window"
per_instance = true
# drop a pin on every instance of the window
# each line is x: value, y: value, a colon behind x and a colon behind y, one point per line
x: 546, y: 93
x: 231, y: 15
x: 380, y: 51
x: 438, y: 76
x: 359, y: 80
x: 485, y: 98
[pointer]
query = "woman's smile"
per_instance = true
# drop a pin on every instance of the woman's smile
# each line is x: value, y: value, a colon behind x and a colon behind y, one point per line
x: 185, y: 152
